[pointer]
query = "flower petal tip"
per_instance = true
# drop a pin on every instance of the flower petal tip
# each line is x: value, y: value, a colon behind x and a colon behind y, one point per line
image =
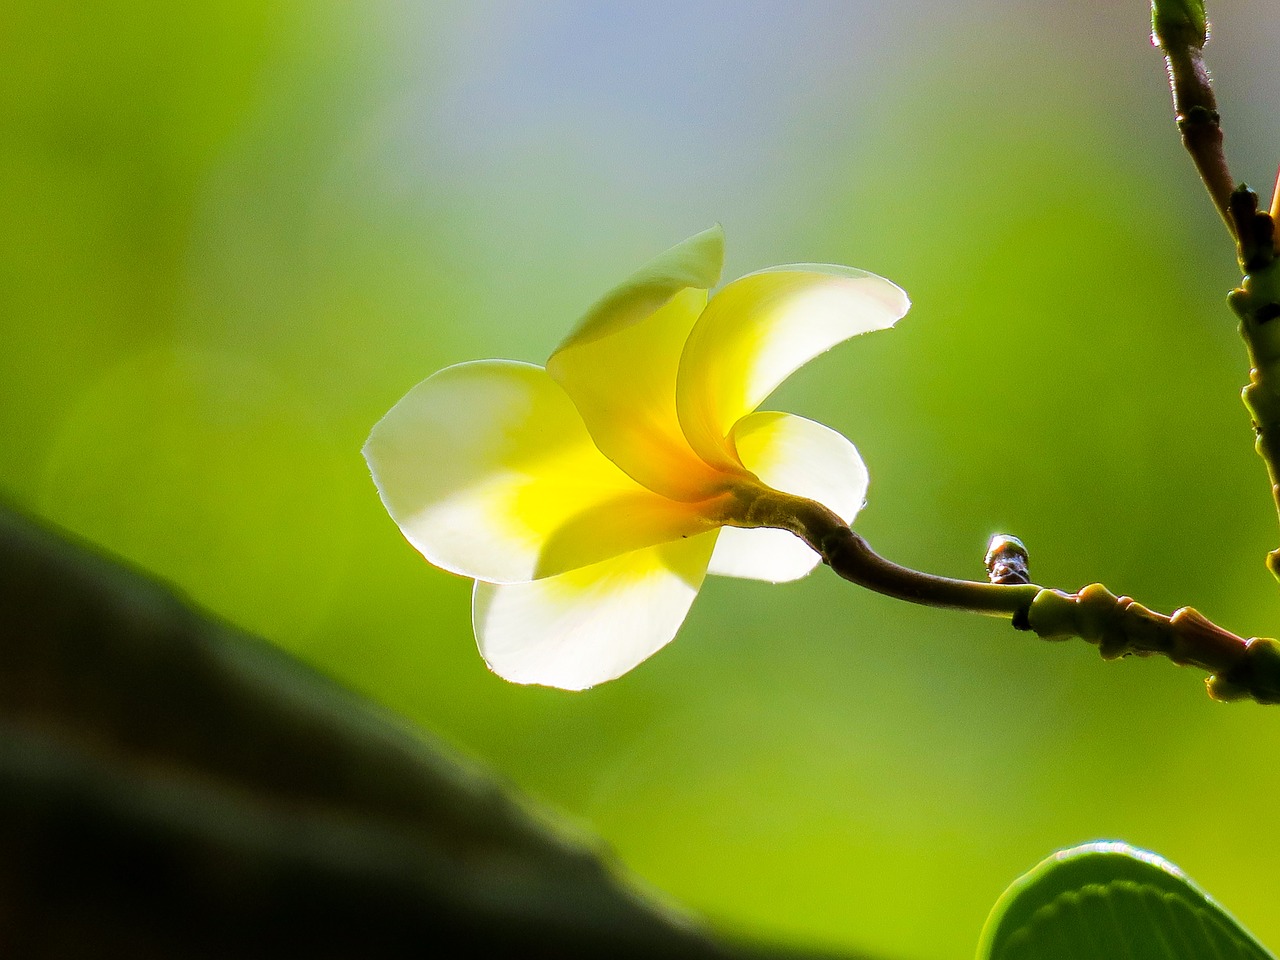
x: 591, y: 625
x: 695, y: 263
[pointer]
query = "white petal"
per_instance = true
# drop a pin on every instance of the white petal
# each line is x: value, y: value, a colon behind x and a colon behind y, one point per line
x: 593, y: 624
x: 774, y: 556
x: 799, y: 456
x: 759, y: 329
x: 490, y: 473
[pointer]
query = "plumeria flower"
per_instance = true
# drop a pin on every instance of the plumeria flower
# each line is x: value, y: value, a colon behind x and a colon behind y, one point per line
x: 589, y: 499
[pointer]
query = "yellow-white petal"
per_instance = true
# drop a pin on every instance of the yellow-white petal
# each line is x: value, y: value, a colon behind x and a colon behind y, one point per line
x: 593, y: 624
x: 759, y: 329
x: 798, y: 456
x: 490, y: 473
x: 620, y: 364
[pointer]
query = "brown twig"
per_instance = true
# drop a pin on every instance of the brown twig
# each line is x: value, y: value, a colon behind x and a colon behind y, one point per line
x: 1181, y: 31
x: 1118, y: 626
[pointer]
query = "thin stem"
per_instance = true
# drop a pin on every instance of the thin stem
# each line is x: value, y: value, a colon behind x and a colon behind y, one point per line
x: 1180, y: 29
x: 851, y: 557
x: 1118, y: 626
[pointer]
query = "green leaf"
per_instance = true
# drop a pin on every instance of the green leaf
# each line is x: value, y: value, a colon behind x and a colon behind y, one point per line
x: 1110, y: 900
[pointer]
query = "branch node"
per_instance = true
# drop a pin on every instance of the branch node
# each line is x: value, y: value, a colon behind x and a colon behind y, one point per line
x: 1254, y: 229
x: 1255, y: 676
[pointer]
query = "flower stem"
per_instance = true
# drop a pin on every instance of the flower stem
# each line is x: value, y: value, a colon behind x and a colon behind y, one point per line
x: 1118, y: 626
x: 850, y: 556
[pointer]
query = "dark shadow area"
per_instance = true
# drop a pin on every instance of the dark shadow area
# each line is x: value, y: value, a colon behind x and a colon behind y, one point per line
x: 172, y: 787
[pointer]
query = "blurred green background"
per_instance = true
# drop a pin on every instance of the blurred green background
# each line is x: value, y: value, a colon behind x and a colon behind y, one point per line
x: 236, y: 233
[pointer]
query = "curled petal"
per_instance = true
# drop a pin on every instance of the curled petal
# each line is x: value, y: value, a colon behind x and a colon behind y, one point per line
x: 592, y: 624
x: 798, y: 456
x: 759, y: 329
x: 620, y: 364
x: 490, y: 473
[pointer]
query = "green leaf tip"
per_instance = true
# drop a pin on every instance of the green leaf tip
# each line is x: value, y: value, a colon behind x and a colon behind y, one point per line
x: 1179, y: 23
x: 1107, y: 901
